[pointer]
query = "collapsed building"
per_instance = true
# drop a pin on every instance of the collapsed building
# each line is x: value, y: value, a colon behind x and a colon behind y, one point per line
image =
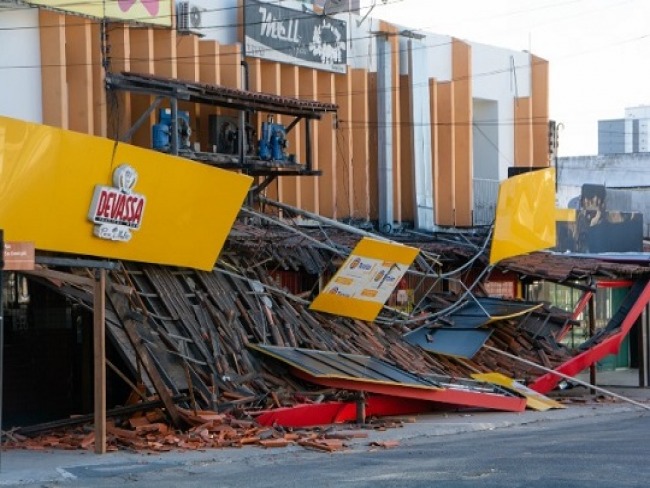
x: 126, y: 236
x: 241, y: 340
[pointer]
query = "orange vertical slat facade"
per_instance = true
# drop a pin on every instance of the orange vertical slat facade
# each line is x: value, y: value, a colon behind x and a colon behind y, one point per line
x: 373, y: 155
x: 445, y: 187
x: 407, y: 199
x: 53, y: 71
x: 540, y: 108
x: 433, y: 115
x: 326, y: 148
x: 344, y: 147
x: 343, y: 133
x: 119, y: 103
x: 99, y: 110
x: 360, y: 142
x: 310, y: 186
x: 463, y: 133
x: 523, y: 132
x: 291, y: 88
x: 78, y: 53
x: 142, y: 61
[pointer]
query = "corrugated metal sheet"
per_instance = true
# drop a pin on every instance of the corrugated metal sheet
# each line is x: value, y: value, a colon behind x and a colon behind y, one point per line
x: 363, y: 373
x: 463, y: 343
x: 326, y: 364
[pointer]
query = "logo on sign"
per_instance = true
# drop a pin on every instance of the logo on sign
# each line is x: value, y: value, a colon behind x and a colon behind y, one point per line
x: 117, y: 210
x: 152, y: 6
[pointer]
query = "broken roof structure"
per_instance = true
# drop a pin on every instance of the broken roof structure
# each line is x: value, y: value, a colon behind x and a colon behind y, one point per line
x: 237, y: 341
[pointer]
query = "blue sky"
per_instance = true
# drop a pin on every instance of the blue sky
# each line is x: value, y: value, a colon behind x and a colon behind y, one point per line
x: 598, y: 50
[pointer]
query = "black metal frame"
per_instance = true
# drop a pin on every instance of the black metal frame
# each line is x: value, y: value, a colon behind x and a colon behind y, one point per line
x: 241, y: 100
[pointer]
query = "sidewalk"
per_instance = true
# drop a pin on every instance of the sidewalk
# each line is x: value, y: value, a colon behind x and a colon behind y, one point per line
x: 24, y: 467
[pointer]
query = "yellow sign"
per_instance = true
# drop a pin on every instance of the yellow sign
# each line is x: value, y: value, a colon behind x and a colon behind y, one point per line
x: 525, y: 216
x: 75, y: 193
x: 146, y: 11
x: 366, y: 280
x: 534, y: 399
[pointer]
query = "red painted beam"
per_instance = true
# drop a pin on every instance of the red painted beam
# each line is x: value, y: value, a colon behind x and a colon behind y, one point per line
x: 306, y: 415
x: 582, y: 304
x: 610, y: 345
x: 450, y: 396
x: 613, y: 283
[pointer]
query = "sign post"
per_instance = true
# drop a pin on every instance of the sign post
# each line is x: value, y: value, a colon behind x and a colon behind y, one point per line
x: 2, y: 334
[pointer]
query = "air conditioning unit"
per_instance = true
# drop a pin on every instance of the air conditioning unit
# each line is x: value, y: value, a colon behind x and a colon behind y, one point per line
x: 189, y: 17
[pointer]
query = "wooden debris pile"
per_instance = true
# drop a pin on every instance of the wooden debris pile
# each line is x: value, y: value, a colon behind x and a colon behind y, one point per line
x: 195, y: 327
x: 208, y: 430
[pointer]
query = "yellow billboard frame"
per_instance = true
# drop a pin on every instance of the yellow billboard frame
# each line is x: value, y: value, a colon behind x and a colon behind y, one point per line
x: 361, y: 286
x: 525, y: 215
x: 169, y: 210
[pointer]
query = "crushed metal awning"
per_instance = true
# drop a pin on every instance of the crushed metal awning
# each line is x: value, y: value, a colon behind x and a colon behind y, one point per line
x: 363, y: 373
x: 464, y: 343
x: 484, y: 310
x: 458, y: 333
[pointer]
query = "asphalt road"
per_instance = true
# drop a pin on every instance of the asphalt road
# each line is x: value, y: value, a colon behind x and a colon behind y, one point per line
x: 605, y: 451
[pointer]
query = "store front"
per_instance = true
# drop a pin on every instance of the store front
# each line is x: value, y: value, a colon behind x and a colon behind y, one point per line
x: 607, y: 301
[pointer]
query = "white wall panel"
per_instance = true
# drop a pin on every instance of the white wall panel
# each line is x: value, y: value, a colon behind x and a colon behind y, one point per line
x: 20, y: 65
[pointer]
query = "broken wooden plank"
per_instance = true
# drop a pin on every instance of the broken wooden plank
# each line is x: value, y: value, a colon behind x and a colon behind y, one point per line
x: 121, y: 307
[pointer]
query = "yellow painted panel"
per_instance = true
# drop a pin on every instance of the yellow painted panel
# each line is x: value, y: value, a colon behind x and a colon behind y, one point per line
x: 348, y: 307
x: 525, y: 215
x: 534, y: 400
x: 366, y: 279
x: 372, y: 248
x: 145, y: 11
x: 565, y: 214
x: 176, y: 212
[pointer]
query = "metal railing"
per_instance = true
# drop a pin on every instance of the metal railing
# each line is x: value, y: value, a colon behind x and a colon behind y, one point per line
x: 485, y: 200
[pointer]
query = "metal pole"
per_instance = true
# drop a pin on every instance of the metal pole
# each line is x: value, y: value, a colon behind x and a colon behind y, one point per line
x: 2, y: 332
x: 325, y: 220
x: 643, y: 347
x: 592, y: 331
x: 567, y: 377
x: 99, y: 347
x: 175, y: 142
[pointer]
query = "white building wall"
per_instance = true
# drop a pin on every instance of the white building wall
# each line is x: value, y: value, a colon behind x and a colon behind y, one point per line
x: 20, y: 68
x: 644, y: 135
x: 501, y: 75
x: 219, y: 20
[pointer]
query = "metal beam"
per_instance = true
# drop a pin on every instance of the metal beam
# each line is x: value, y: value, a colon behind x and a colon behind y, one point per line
x: 76, y: 263
x: 567, y: 377
x: 99, y: 341
x: 138, y: 123
x: 292, y: 124
x: 174, y: 138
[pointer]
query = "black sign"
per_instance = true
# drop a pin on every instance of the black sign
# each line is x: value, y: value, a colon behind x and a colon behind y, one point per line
x: 596, y: 230
x: 295, y: 37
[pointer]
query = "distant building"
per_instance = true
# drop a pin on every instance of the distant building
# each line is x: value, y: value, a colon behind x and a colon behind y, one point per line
x: 336, y: 6
x: 628, y: 135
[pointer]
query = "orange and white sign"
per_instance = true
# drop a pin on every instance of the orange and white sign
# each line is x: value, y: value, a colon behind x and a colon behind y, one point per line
x: 19, y: 256
x: 117, y: 209
x: 146, y: 11
x: 361, y: 287
x: 62, y: 190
